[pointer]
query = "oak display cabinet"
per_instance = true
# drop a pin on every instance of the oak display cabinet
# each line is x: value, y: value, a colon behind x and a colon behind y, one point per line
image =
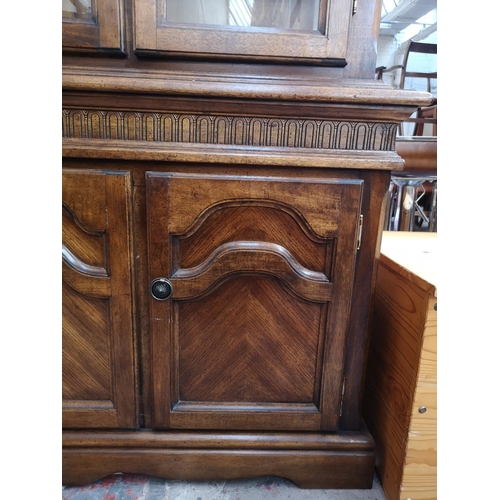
x: 224, y: 172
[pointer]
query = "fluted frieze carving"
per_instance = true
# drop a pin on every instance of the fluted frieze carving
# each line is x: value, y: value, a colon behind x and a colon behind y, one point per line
x: 229, y: 130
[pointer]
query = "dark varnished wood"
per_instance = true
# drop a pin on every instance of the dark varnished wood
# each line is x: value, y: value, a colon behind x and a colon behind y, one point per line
x: 248, y: 366
x: 237, y: 155
x: 345, y: 101
x: 376, y: 186
x: 361, y: 58
x: 363, y: 38
x: 103, y: 33
x: 307, y: 248
x: 252, y: 258
x: 424, y: 115
x: 309, y: 460
x: 259, y: 338
x: 343, y: 441
x: 307, y: 469
x: 98, y: 365
x: 420, y: 155
x: 184, y: 82
x: 326, y: 46
x: 241, y: 182
x: 85, y: 367
x: 139, y: 170
x: 193, y: 198
x: 90, y: 285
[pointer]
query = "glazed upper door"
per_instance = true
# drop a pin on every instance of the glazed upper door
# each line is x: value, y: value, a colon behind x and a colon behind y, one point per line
x: 310, y: 31
x: 97, y: 361
x: 92, y: 25
x: 253, y: 280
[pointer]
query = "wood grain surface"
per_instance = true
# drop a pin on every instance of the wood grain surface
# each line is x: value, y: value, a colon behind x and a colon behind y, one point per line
x: 326, y: 46
x: 247, y: 323
x: 103, y: 33
x: 309, y: 460
x: 272, y: 155
x: 401, y: 370
x: 98, y: 363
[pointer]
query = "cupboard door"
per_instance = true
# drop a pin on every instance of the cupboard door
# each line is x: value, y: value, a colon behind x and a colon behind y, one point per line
x: 92, y: 25
x: 307, y: 31
x: 253, y: 280
x: 97, y: 360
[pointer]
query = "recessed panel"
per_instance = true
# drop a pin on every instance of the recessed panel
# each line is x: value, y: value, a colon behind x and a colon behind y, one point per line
x: 258, y: 223
x: 86, y: 350
x: 248, y: 341
x: 89, y: 248
x: 261, y: 270
x: 97, y: 337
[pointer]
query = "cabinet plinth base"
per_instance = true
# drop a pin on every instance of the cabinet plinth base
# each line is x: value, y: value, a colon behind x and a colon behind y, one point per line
x: 343, y: 460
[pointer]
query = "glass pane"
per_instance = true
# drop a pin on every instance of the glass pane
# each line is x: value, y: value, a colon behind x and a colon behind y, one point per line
x: 77, y: 9
x: 281, y: 14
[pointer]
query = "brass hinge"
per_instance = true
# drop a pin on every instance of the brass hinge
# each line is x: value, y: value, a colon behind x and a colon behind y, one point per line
x: 360, y: 231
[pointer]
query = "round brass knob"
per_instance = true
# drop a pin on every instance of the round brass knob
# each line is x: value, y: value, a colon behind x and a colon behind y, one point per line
x: 161, y: 289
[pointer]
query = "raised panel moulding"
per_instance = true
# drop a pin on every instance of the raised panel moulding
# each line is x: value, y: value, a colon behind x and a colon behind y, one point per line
x: 228, y: 130
x: 80, y: 266
x: 251, y: 257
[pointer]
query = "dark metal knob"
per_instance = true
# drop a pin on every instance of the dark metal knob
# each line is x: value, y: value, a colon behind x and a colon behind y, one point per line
x: 161, y: 289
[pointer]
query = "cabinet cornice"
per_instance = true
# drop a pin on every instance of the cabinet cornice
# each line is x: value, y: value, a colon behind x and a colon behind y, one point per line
x: 347, y: 91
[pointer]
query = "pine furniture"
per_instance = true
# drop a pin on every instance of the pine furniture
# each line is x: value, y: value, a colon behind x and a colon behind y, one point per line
x: 400, y: 402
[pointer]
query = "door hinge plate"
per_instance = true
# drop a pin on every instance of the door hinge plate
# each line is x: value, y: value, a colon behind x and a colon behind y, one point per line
x: 360, y: 231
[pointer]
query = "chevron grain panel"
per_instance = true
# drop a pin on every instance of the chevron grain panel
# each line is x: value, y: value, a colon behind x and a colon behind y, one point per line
x: 249, y: 341
x: 253, y: 223
x: 88, y: 247
x: 86, y: 360
x: 98, y: 378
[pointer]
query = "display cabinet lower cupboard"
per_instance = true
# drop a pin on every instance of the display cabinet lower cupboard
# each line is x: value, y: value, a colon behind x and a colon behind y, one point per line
x: 97, y: 340
x: 221, y: 206
x: 249, y: 287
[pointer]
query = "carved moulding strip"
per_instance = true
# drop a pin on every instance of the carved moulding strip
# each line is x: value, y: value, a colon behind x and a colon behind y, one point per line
x: 70, y: 259
x: 228, y: 130
x: 251, y: 257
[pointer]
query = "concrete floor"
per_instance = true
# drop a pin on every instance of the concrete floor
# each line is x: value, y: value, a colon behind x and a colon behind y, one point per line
x: 136, y: 487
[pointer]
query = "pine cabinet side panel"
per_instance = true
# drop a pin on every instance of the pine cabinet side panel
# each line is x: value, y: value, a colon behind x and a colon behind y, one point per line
x: 420, y: 469
x: 391, y: 372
